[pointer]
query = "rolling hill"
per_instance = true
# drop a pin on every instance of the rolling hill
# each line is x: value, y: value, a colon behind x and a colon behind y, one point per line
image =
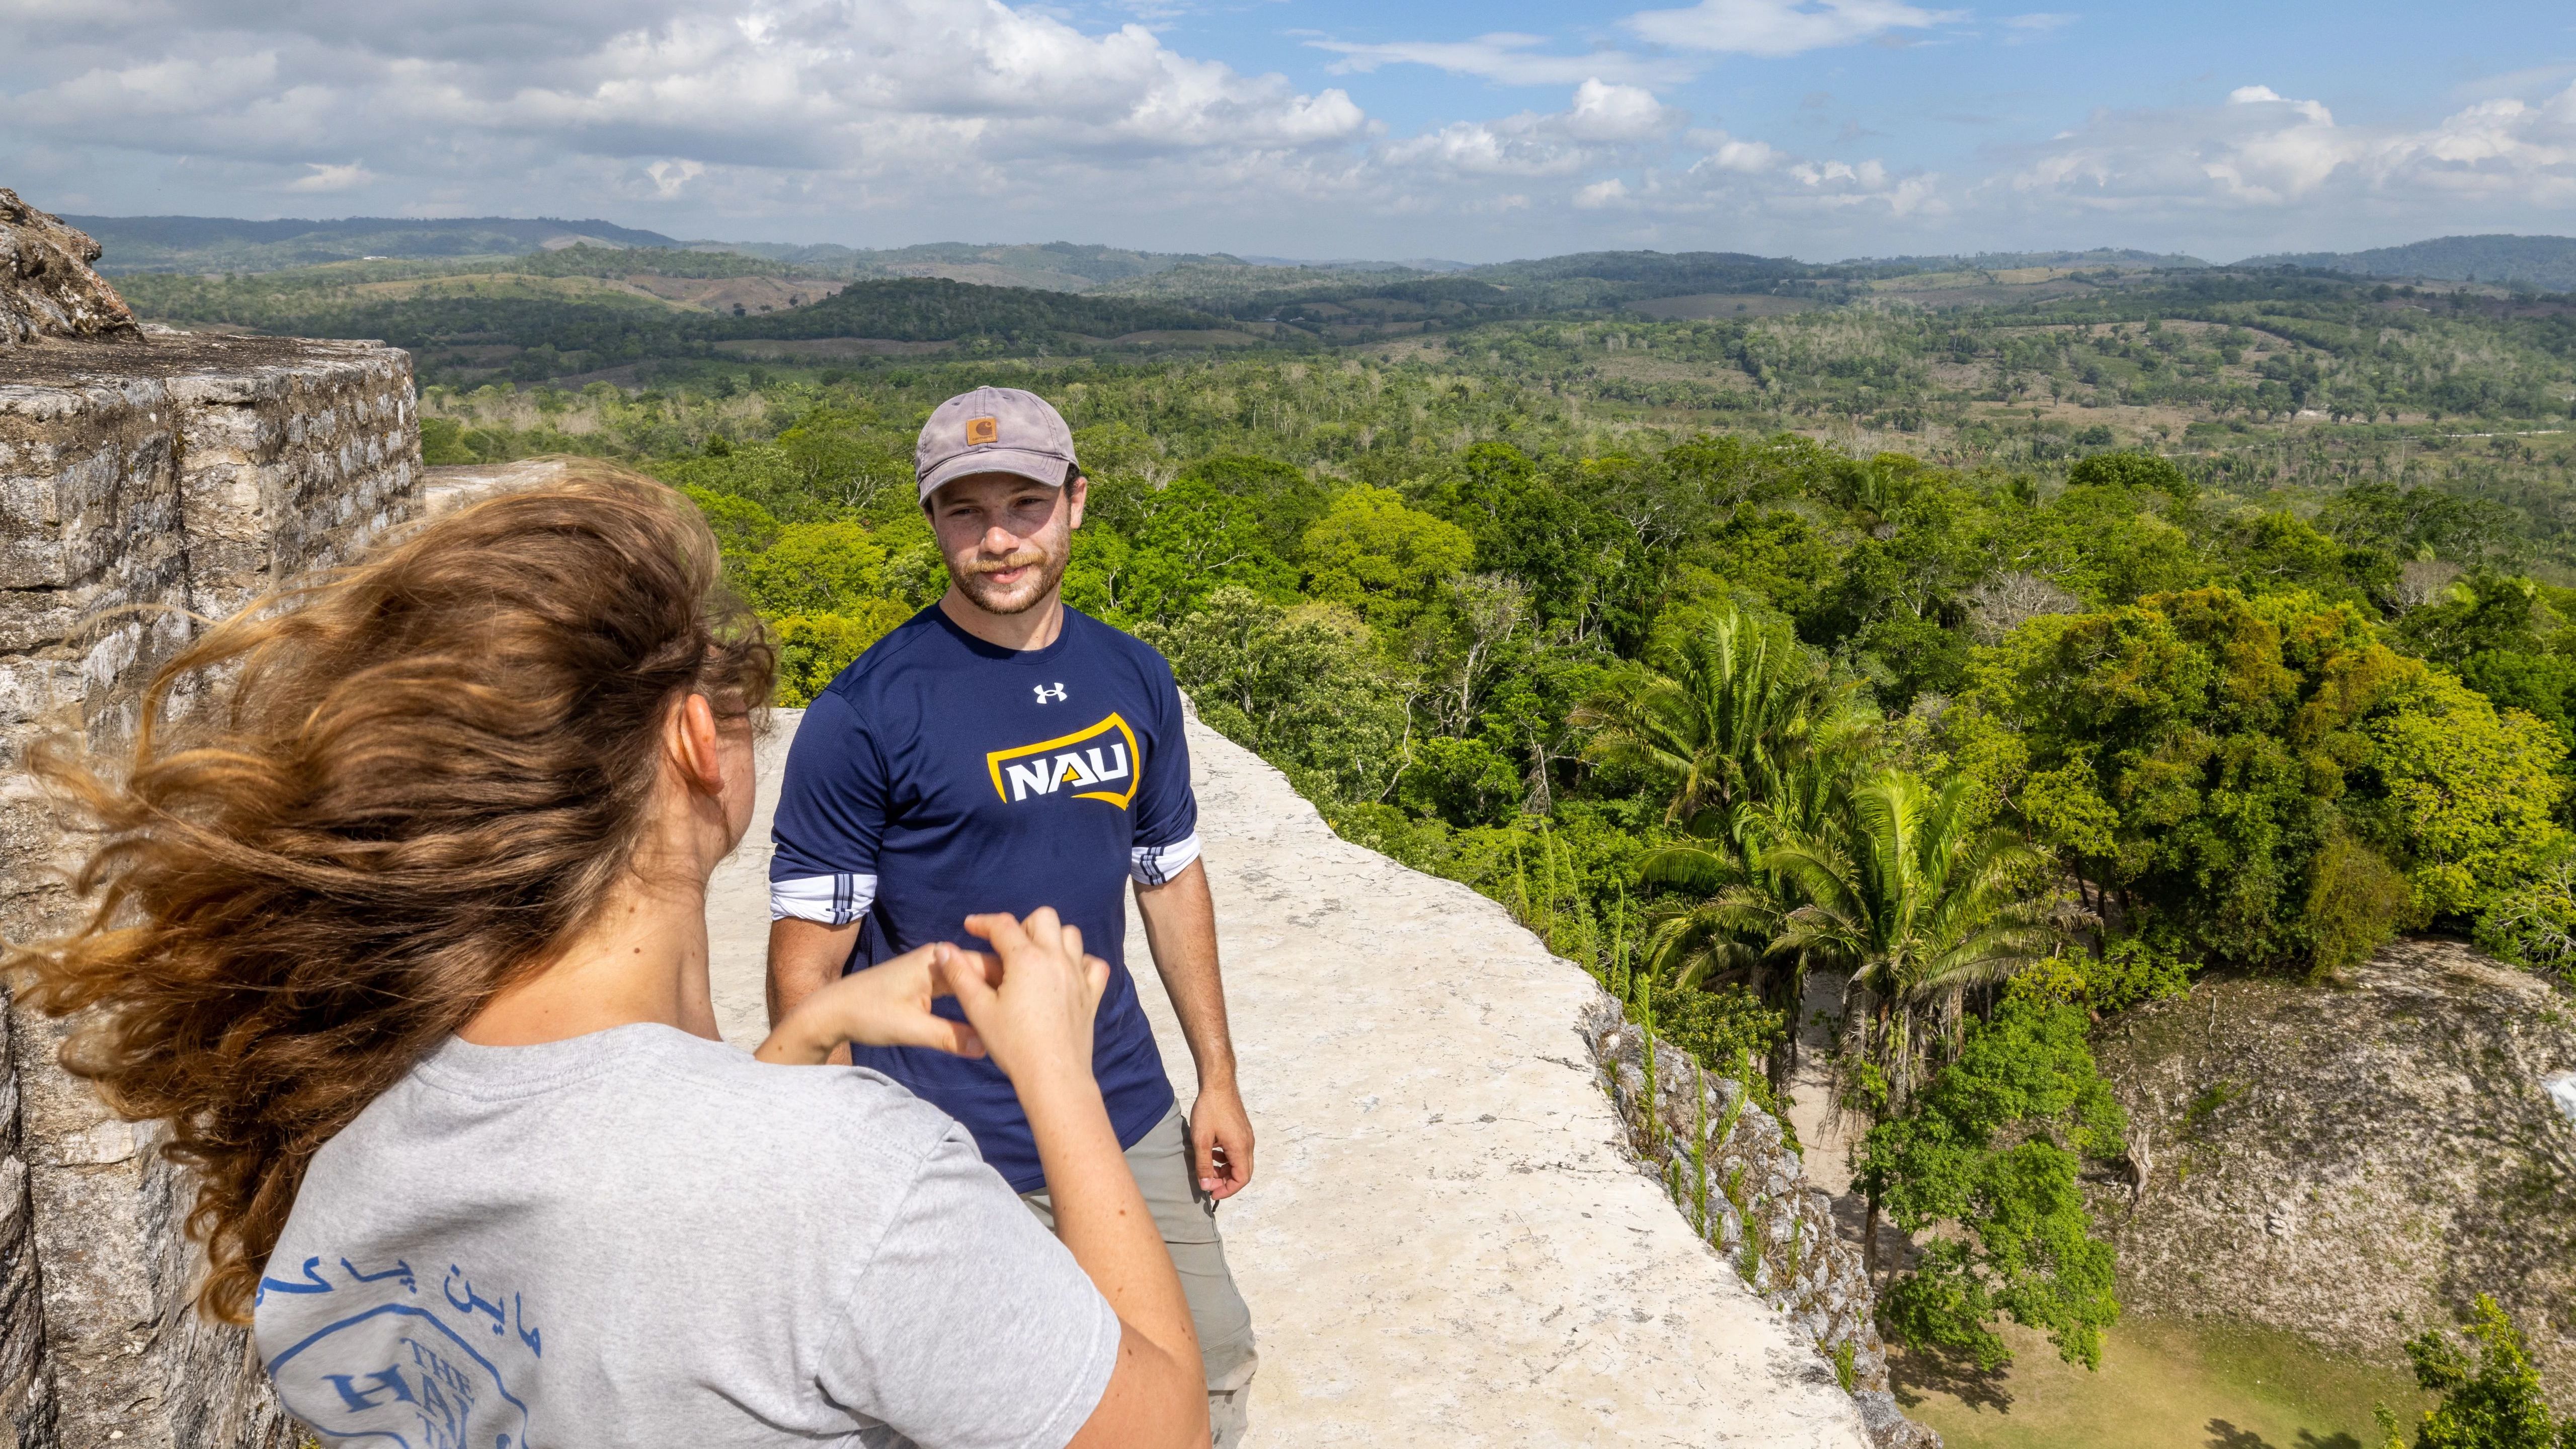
x: 217, y: 243
x: 2544, y: 262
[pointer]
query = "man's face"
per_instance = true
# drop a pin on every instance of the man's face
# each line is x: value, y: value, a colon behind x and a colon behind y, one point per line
x: 1006, y: 538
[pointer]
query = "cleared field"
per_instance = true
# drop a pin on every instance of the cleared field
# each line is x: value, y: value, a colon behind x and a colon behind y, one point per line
x: 724, y: 294
x: 1717, y: 306
x: 2163, y: 1385
x: 829, y: 349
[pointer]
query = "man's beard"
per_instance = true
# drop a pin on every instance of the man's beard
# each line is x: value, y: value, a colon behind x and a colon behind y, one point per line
x: 1047, y: 570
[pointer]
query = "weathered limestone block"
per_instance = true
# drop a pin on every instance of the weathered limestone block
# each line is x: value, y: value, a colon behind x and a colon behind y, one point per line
x: 46, y: 286
x: 145, y: 485
x: 26, y: 1385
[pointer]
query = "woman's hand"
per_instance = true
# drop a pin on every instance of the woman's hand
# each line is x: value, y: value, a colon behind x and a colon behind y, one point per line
x: 1032, y: 1008
x: 888, y: 1004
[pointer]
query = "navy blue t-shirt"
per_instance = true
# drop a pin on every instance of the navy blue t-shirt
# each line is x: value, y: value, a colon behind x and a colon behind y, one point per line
x: 940, y: 777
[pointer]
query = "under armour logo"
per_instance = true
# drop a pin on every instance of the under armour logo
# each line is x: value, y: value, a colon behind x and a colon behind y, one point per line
x: 1046, y: 692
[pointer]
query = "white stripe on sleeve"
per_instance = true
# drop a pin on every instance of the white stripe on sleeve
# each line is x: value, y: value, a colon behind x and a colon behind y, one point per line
x: 1152, y: 865
x: 834, y: 900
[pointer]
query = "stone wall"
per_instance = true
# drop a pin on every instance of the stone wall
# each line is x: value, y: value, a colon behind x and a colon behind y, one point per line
x: 144, y: 482
x: 1744, y: 1190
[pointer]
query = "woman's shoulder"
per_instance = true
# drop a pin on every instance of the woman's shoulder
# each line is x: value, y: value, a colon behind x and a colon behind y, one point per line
x: 652, y: 1108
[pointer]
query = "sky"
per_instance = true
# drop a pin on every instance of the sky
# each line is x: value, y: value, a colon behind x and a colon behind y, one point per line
x: 1821, y: 129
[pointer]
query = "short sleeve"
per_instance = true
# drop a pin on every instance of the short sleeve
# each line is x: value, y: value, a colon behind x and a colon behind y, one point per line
x: 831, y: 816
x: 971, y: 1325
x: 1167, y: 813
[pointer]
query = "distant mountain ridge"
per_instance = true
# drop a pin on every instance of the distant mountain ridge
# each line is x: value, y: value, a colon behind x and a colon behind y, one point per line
x: 2544, y: 262
x: 222, y: 243
x: 1047, y: 266
x: 2011, y: 261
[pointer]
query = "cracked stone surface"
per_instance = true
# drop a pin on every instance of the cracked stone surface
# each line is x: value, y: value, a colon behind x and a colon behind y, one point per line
x: 1442, y: 1243
x: 46, y: 286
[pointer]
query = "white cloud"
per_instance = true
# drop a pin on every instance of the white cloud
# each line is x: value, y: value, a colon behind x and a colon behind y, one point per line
x: 1506, y: 56
x: 1603, y: 112
x: 1601, y: 125
x: 332, y: 178
x: 1601, y: 193
x: 2265, y: 151
x: 2038, y: 23
x: 1782, y: 27
x: 670, y: 176
x: 891, y: 100
x: 876, y: 122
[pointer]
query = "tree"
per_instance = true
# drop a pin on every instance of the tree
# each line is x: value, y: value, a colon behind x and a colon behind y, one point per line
x: 1731, y: 921
x: 1909, y: 892
x: 1736, y: 699
x: 815, y: 568
x: 1994, y: 1146
x: 2239, y: 772
x: 813, y: 649
x: 742, y: 528
x: 1371, y: 553
x: 2490, y: 1401
x: 1301, y: 687
x: 2478, y: 790
x: 1192, y: 540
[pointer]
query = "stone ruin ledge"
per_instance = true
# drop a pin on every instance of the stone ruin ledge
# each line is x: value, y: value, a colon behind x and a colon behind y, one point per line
x: 145, y: 482
x: 1743, y: 1192
x: 46, y: 286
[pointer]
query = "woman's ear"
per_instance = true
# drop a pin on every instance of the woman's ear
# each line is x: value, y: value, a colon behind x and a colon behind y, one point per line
x: 693, y: 746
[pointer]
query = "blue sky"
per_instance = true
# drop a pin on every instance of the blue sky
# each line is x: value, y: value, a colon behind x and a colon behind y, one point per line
x: 1818, y: 128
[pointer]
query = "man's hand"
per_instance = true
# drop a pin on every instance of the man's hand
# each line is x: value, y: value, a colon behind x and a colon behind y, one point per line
x: 1220, y: 1142
x: 888, y: 1004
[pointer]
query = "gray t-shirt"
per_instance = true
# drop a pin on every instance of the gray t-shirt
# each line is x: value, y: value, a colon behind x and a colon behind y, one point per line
x: 640, y: 1237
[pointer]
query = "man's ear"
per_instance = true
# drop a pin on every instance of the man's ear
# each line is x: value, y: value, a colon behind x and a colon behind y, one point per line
x: 1077, y: 492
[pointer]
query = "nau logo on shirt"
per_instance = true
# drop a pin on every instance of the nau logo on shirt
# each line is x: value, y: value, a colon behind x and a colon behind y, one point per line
x: 1099, y: 763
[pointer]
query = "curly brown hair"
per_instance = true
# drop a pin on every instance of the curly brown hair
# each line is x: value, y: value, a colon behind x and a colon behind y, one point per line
x: 392, y: 791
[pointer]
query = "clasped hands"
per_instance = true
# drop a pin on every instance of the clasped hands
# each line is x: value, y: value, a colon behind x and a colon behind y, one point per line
x: 1029, y: 1002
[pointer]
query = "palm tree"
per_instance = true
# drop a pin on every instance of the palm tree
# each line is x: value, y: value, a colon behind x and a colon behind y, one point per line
x: 1731, y: 707
x: 1907, y: 890
x: 1734, y: 921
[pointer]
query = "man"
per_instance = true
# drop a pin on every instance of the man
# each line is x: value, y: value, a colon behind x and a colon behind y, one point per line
x: 1001, y: 752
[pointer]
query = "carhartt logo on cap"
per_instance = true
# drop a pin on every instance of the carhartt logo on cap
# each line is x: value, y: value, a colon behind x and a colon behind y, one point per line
x: 980, y: 431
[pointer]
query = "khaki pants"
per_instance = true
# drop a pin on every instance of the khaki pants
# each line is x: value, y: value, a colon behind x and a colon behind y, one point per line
x: 1187, y: 1218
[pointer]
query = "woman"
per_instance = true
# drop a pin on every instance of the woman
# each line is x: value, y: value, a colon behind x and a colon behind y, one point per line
x: 401, y: 926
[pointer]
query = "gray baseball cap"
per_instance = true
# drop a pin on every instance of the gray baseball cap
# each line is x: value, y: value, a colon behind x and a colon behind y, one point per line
x: 993, y: 430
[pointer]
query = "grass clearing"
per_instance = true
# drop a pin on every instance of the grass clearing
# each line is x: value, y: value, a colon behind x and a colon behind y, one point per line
x: 2164, y: 1384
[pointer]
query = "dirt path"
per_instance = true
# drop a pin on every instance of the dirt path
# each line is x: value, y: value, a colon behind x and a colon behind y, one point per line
x: 1441, y: 1245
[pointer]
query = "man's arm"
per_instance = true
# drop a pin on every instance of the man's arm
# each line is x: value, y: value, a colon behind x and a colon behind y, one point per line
x: 1180, y: 927
x: 804, y: 957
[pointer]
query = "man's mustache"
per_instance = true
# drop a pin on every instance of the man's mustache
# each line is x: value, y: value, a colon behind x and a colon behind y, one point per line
x: 1023, y: 559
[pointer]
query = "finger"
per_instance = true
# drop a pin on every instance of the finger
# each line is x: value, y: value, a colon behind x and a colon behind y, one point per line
x: 1072, y: 943
x: 1043, y: 923
x: 1003, y: 930
x: 1095, y: 975
x: 1203, y: 1156
x: 958, y: 958
x: 921, y: 961
x: 961, y: 976
x: 957, y: 1038
x: 938, y: 1033
x: 1237, y: 1147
